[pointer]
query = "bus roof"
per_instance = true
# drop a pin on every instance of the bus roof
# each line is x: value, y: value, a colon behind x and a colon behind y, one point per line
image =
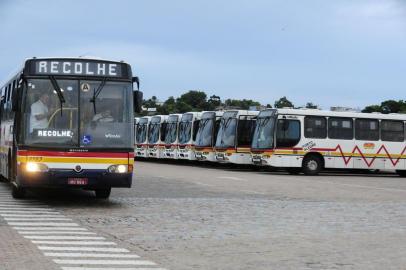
x: 315, y: 112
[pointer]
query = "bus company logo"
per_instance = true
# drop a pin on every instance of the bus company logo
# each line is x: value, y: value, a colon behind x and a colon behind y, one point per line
x: 369, y: 145
x: 308, y: 146
x: 112, y: 136
x: 85, y: 87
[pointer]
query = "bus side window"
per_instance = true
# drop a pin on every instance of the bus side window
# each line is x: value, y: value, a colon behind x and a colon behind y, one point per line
x: 195, y: 129
x: 392, y: 131
x: 315, y: 127
x: 287, y: 133
x: 367, y: 129
x: 340, y: 128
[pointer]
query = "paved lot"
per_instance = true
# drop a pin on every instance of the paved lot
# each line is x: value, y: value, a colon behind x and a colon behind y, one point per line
x: 193, y: 217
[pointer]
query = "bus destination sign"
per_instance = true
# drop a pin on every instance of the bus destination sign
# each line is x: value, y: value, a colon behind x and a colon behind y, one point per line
x: 78, y: 68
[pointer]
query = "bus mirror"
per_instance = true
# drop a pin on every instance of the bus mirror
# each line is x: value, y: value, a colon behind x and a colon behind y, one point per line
x: 14, y: 99
x: 138, y: 95
x: 137, y: 81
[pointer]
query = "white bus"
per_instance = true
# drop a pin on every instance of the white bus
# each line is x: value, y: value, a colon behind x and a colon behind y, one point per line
x: 156, y: 136
x: 234, y: 137
x: 308, y: 141
x: 141, y: 136
x: 188, y: 126
x: 171, y: 136
x: 206, y: 135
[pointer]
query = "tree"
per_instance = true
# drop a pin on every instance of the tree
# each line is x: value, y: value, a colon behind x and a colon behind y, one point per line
x: 283, y: 102
x: 244, y: 104
x: 213, y: 102
x: 197, y: 100
x: 372, y: 108
x: 310, y: 105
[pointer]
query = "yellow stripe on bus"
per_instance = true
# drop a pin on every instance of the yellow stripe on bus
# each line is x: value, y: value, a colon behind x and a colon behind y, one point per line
x: 75, y: 160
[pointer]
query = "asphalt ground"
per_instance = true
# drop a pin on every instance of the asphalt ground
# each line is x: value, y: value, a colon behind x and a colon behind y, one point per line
x: 200, y: 216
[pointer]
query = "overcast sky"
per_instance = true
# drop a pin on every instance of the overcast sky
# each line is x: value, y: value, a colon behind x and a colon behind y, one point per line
x: 347, y: 52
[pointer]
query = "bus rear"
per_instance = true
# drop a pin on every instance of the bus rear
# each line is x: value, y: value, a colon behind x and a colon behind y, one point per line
x: 73, y: 126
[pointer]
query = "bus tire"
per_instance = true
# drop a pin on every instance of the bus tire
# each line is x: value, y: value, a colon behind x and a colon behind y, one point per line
x: 294, y: 170
x: 401, y: 173
x: 312, y: 165
x: 103, y: 193
x: 18, y: 192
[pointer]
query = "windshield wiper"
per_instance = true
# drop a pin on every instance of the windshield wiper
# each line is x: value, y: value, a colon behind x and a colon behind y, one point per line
x: 58, y: 91
x: 96, y: 93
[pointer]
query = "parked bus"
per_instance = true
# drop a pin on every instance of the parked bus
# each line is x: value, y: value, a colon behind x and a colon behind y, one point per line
x: 310, y: 140
x: 156, y: 136
x: 171, y: 136
x: 234, y: 137
x: 141, y: 136
x: 206, y: 136
x: 68, y: 122
x: 188, y: 126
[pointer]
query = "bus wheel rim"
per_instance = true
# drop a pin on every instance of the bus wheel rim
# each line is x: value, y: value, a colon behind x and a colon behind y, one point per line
x: 312, y: 165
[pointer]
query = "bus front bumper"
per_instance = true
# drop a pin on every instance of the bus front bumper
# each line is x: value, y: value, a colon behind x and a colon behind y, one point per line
x: 87, y: 179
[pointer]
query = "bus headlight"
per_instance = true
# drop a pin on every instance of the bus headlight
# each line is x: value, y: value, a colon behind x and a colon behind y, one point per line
x: 118, y: 169
x: 36, y: 167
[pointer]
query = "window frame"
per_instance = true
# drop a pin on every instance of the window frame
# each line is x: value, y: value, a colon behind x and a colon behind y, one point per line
x: 367, y: 119
x: 329, y: 128
x: 315, y: 117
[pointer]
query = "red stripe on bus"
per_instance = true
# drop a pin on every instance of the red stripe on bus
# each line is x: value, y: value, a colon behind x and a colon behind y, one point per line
x: 73, y: 154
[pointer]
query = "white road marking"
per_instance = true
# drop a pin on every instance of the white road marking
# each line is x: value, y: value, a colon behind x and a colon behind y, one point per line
x: 26, y: 208
x: 79, y: 243
x: 55, y: 232
x: 36, y: 219
x: 28, y: 212
x: 91, y: 249
x: 50, y: 228
x: 91, y: 255
x: 33, y: 216
x: 231, y: 178
x: 59, y: 237
x: 105, y: 262
x: 110, y: 268
x: 56, y: 224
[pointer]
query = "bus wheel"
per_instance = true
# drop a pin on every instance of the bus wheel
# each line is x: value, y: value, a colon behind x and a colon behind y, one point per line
x: 103, y: 193
x: 18, y: 192
x: 294, y: 171
x: 401, y: 173
x: 312, y: 165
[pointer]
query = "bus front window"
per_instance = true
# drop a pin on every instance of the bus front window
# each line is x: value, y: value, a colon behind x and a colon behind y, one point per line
x: 45, y: 121
x: 204, y: 134
x: 141, y: 133
x: 153, y: 134
x: 105, y: 116
x: 185, y: 132
x: 170, y: 132
x: 263, y: 135
x: 226, y: 133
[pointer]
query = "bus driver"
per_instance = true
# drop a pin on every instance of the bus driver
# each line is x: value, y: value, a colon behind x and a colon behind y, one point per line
x: 39, y: 113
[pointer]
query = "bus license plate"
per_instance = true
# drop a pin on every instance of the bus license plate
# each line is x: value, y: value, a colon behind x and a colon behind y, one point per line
x: 77, y: 181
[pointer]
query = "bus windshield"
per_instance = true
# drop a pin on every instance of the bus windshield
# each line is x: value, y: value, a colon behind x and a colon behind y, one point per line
x: 106, y: 123
x: 226, y: 133
x: 185, y: 131
x: 263, y: 134
x: 153, y: 134
x: 205, y: 132
x: 141, y: 132
x: 170, y: 132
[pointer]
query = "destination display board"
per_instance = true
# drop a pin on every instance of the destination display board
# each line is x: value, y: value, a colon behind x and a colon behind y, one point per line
x: 78, y: 67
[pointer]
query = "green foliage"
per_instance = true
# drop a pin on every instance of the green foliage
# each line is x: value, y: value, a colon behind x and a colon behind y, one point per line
x: 283, y: 102
x: 241, y: 104
x: 387, y: 106
x: 311, y: 105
